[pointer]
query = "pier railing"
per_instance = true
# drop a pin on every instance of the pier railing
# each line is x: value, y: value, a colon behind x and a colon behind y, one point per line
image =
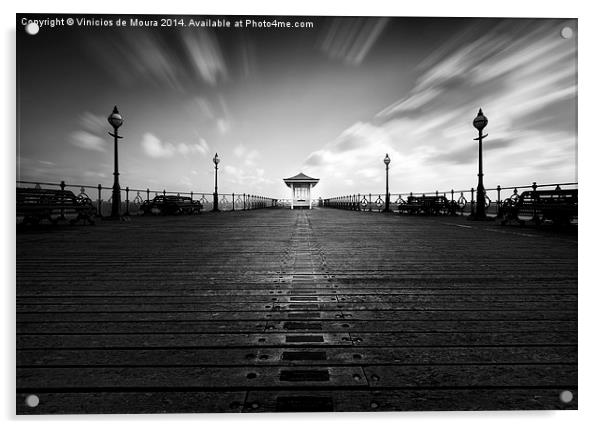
x: 465, y: 199
x: 133, y: 198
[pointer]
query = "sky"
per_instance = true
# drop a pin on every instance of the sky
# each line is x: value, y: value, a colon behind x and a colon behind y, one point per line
x: 329, y: 101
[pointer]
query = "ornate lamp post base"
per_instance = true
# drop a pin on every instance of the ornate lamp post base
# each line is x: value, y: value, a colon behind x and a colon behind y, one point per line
x: 215, y: 203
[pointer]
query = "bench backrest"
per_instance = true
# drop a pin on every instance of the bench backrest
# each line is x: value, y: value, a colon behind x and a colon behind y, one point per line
x: 558, y: 197
x: 427, y: 199
x: 174, y: 199
x: 37, y: 196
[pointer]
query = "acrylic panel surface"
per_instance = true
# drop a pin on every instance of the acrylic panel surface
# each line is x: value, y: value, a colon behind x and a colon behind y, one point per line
x: 288, y: 214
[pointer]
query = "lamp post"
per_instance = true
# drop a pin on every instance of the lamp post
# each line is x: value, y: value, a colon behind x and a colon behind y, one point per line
x: 215, y: 197
x: 387, y: 161
x: 480, y: 122
x: 116, y: 120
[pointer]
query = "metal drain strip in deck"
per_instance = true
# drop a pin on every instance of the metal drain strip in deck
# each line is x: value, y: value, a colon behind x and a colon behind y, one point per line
x: 308, y: 277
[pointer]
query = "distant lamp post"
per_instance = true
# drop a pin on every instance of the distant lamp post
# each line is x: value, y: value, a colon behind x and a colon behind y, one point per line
x: 116, y: 120
x: 480, y: 122
x: 215, y: 197
x: 387, y: 161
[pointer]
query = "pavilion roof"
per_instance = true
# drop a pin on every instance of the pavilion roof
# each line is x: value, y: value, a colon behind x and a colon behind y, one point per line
x: 301, y: 178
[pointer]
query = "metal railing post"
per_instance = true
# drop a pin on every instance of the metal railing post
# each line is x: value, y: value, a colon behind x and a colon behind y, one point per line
x: 534, y: 186
x: 62, y: 185
x: 472, y: 201
x: 499, y: 199
x: 99, y: 200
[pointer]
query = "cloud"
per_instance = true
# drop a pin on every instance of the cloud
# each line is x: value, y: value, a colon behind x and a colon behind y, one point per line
x: 351, y: 39
x: 522, y: 73
x: 141, y: 56
x: 223, y: 126
x: 233, y: 171
x: 205, y: 56
x: 92, y: 134
x: 94, y: 174
x: 96, y: 124
x: 202, y: 146
x: 239, y: 151
x: 356, y: 151
x: 146, y: 56
x: 155, y: 148
x: 248, y: 57
x: 213, y: 112
x: 466, y: 154
x: 250, y: 178
x: 88, y: 141
x: 250, y: 156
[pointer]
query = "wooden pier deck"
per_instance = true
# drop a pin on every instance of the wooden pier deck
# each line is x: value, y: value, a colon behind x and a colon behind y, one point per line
x: 279, y: 310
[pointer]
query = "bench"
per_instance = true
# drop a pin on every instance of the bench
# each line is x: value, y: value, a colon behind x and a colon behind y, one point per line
x: 171, y: 205
x: 428, y: 205
x: 36, y: 204
x: 558, y: 206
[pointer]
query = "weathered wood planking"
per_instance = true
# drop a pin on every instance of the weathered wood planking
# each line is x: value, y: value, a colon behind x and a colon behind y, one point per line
x: 323, y: 311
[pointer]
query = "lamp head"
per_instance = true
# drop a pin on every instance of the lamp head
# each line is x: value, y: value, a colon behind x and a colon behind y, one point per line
x: 216, y: 159
x: 480, y: 121
x: 115, y: 118
x: 387, y: 160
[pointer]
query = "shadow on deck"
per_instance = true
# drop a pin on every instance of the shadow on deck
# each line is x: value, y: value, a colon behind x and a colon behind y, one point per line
x: 279, y: 310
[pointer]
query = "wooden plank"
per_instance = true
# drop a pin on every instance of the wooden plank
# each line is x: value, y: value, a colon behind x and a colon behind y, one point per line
x: 373, y: 298
x: 266, y: 401
x: 475, y: 399
x: 320, y: 306
x: 275, y: 356
x: 174, y: 378
x: 402, y: 339
x: 471, y: 375
x: 356, y: 315
x: 208, y: 327
x: 133, y: 402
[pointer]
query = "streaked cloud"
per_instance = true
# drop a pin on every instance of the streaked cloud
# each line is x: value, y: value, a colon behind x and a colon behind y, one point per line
x: 88, y: 141
x: 146, y: 56
x: 247, y: 155
x: 143, y: 56
x: 519, y: 72
x: 252, y: 178
x: 93, y: 132
x: 155, y: 148
x: 213, y: 112
x: 350, y: 39
x: 205, y: 55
